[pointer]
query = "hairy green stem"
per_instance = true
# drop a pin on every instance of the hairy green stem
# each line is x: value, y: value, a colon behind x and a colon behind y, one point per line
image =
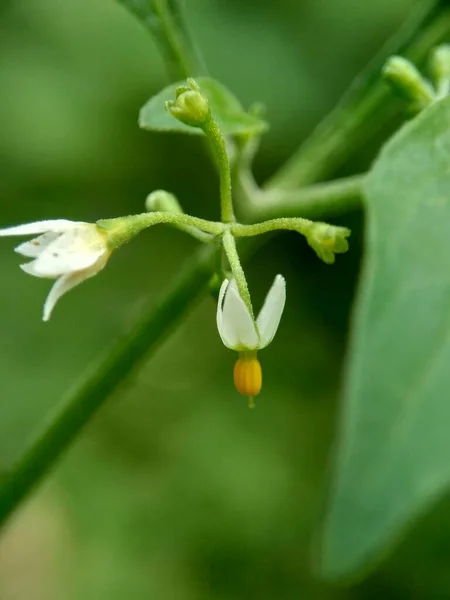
x: 298, y: 224
x: 122, y: 229
x: 229, y: 245
x: 212, y: 130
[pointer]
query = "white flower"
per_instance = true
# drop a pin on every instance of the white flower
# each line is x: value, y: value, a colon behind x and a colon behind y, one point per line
x: 235, y: 323
x: 239, y: 331
x: 68, y: 251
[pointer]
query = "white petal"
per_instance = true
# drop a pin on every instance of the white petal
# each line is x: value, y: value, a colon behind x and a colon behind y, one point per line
x: 56, y: 225
x: 34, y: 247
x: 29, y: 268
x: 71, y: 251
x: 238, y: 328
x: 60, y: 287
x: 67, y: 282
x: 219, y: 317
x: 270, y: 315
x: 54, y: 264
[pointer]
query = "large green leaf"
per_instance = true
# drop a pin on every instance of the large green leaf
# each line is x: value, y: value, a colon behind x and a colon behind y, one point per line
x: 224, y: 106
x: 394, y: 449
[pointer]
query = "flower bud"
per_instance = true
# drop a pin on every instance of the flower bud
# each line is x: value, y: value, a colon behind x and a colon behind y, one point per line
x: 190, y: 107
x: 440, y: 69
x: 327, y: 240
x: 160, y: 200
x: 408, y: 82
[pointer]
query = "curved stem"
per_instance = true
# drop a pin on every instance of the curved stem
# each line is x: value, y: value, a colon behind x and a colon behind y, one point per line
x: 298, y: 224
x: 122, y: 229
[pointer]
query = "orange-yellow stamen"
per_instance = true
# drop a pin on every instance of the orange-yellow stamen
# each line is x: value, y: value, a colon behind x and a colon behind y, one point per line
x: 248, y: 375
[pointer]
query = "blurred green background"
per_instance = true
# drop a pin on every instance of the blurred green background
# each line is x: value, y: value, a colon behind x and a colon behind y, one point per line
x: 176, y: 490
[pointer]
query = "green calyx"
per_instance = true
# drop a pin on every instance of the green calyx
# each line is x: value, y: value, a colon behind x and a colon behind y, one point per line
x: 327, y: 241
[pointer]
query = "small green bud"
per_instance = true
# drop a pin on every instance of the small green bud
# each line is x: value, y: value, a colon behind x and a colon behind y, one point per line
x: 160, y: 200
x: 409, y: 83
x: 440, y: 69
x: 327, y: 240
x: 190, y: 107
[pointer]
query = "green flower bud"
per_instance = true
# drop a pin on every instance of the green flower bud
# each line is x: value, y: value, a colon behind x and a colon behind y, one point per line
x: 440, y: 69
x: 160, y: 200
x: 327, y: 240
x: 409, y: 83
x: 190, y: 107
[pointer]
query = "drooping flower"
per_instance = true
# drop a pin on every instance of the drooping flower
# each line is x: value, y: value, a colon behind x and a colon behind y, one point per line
x: 68, y: 251
x: 240, y: 332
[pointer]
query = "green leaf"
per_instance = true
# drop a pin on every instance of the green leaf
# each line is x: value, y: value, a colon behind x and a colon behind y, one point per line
x: 394, y: 449
x: 224, y: 106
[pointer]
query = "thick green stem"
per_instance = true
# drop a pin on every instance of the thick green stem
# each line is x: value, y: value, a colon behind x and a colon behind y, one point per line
x: 212, y: 130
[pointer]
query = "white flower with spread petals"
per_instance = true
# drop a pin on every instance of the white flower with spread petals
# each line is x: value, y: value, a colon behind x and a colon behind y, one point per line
x: 239, y: 331
x: 68, y: 251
